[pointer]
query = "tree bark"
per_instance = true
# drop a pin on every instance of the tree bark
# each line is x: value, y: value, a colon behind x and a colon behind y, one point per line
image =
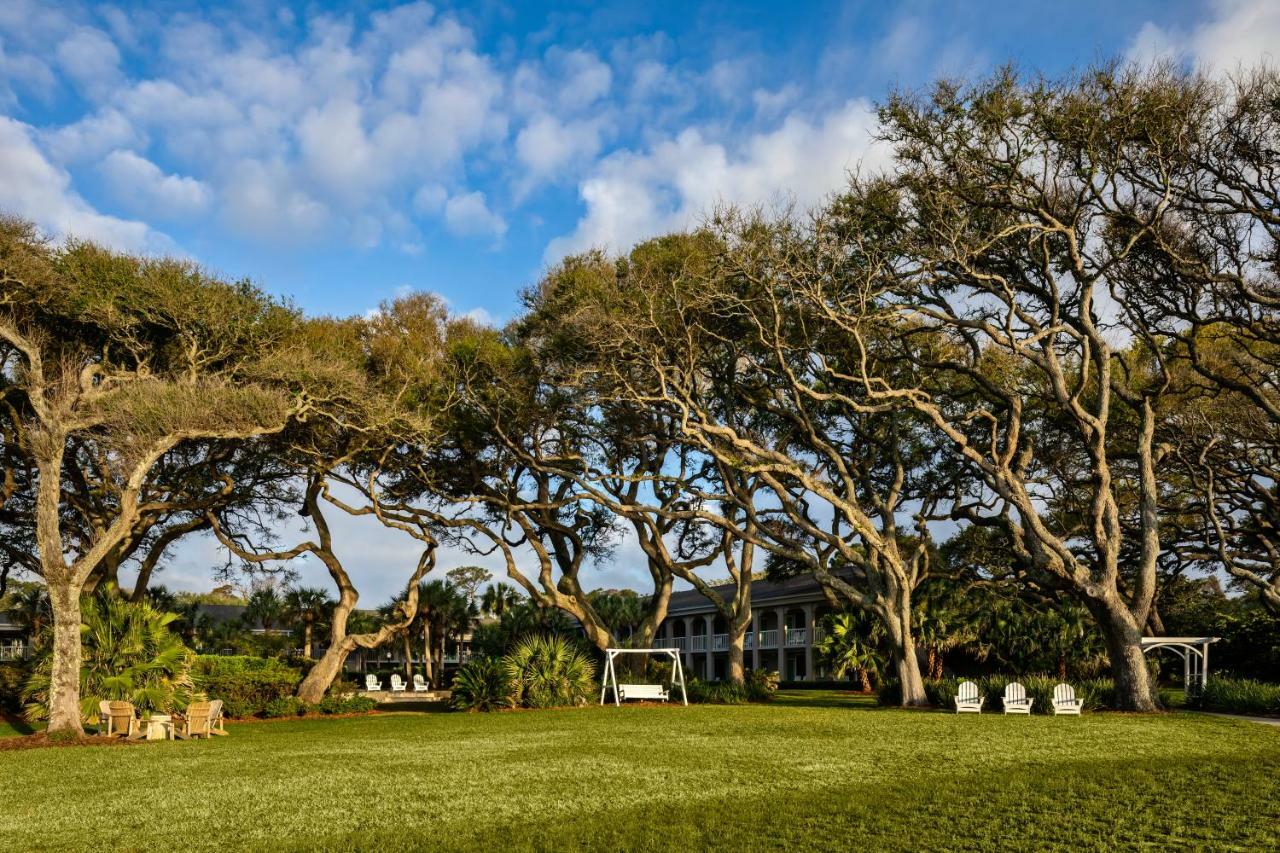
x: 408, y: 656
x: 903, y: 648
x: 306, y: 637
x: 1129, y: 671
x: 64, y: 682
x: 429, y: 673
x: 737, y: 667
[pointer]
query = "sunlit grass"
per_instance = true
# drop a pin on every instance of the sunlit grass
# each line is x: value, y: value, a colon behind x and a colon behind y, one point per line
x: 810, y: 771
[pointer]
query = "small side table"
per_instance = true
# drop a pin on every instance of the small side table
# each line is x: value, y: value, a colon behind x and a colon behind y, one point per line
x: 158, y: 727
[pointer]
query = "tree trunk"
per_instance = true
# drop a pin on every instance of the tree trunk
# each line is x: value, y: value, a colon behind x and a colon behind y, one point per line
x: 64, y: 682
x: 1128, y: 665
x: 737, y: 640
x: 306, y: 638
x: 408, y: 655
x: 865, y: 678
x: 322, y: 675
x: 1062, y: 667
x: 903, y: 648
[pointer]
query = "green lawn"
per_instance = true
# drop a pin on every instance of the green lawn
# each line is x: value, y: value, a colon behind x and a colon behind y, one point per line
x: 813, y: 771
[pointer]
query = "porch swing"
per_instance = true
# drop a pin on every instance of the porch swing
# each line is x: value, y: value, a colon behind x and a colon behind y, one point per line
x: 622, y: 692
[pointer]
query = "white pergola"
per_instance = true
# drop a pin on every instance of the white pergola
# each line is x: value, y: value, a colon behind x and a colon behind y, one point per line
x: 611, y: 673
x: 1194, y: 652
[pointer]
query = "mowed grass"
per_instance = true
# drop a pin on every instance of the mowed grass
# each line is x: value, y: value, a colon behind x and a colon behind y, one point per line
x: 811, y: 771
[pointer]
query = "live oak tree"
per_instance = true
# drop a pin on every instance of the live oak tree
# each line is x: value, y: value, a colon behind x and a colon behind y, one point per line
x: 1003, y: 245
x: 124, y: 360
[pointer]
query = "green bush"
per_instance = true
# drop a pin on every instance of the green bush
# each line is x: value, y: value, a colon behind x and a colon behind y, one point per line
x: 284, y: 706
x: 246, y: 685
x: 549, y: 671
x: 1239, y: 696
x: 761, y: 684
x: 482, y: 684
x: 12, y: 677
x: 716, y: 692
x: 941, y: 693
x: 337, y: 704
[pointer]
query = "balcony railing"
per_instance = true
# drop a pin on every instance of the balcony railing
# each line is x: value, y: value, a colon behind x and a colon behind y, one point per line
x: 13, y: 651
x: 768, y: 639
x: 796, y: 636
x: 749, y: 641
x: 698, y: 643
x: 719, y: 642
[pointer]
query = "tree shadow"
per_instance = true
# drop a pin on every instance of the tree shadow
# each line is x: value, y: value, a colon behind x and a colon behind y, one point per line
x: 19, y: 725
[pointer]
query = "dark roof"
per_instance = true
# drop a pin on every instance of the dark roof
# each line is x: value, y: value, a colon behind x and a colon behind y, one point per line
x: 798, y: 588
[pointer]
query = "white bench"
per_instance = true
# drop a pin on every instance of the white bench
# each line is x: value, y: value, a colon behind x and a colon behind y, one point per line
x: 641, y: 691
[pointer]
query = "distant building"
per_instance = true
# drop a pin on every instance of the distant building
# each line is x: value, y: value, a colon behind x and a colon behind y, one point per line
x: 784, y: 629
x: 14, y: 642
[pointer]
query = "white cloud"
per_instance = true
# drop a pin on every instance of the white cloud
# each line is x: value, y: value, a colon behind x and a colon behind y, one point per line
x: 93, y: 136
x: 34, y: 188
x: 1238, y: 33
x: 469, y: 215
x: 90, y: 58
x: 547, y: 145
x: 142, y: 186
x: 632, y: 195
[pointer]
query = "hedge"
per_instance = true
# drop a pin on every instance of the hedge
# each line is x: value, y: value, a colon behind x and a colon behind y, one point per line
x: 12, y: 677
x: 1093, y: 693
x: 246, y: 685
x: 1239, y: 696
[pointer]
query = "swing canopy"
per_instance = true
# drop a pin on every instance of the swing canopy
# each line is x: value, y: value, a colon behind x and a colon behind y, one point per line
x: 640, y: 691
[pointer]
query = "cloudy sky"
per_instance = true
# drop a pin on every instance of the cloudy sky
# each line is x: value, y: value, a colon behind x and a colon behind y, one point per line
x: 339, y: 153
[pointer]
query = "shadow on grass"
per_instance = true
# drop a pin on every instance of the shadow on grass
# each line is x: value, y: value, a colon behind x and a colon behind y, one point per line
x: 413, y: 708
x: 16, y: 724
x: 847, y: 700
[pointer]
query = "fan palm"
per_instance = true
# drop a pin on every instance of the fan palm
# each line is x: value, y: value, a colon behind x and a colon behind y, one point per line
x: 850, y: 647
x: 128, y: 652
x: 498, y: 599
x: 546, y: 671
x: 306, y: 606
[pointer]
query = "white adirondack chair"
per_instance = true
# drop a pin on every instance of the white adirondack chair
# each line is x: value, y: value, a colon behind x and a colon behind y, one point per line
x: 1065, y: 701
x: 372, y: 684
x: 397, y: 683
x: 420, y: 684
x: 968, y: 699
x: 1015, y: 699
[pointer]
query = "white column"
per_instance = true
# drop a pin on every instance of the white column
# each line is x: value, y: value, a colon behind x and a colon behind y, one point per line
x: 782, y: 642
x: 710, y: 622
x: 688, y: 644
x: 755, y: 640
x: 808, y: 642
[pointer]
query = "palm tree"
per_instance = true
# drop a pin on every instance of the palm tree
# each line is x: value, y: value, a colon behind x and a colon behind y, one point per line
x: 498, y: 599
x: 29, y: 605
x: 128, y: 652
x: 443, y: 613
x: 850, y: 646
x: 941, y: 624
x: 306, y: 606
x: 264, y: 608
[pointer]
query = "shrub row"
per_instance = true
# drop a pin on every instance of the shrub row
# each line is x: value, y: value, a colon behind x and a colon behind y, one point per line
x: 12, y: 677
x: 292, y: 706
x: 247, y: 686
x: 1239, y: 696
x: 759, y: 685
x: 1093, y: 693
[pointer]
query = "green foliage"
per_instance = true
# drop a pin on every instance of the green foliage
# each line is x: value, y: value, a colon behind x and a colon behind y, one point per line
x: 517, y: 620
x: 851, y: 646
x: 128, y: 652
x: 1093, y: 693
x: 13, y: 675
x: 715, y: 692
x: 482, y: 684
x: 550, y: 671
x: 246, y: 685
x: 761, y: 684
x: 1239, y: 696
x: 284, y: 706
x: 339, y: 704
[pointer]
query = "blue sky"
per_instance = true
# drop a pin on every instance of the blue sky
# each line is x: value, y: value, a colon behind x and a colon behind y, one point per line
x: 339, y: 153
